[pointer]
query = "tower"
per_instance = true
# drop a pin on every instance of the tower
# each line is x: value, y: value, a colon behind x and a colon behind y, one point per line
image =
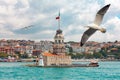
x: 58, y: 57
x: 58, y: 46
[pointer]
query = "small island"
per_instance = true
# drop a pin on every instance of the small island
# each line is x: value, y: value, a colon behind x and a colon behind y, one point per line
x: 58, y: 57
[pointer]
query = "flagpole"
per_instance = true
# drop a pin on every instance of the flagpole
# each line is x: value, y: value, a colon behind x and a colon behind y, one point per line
x: 59, y: 20
x: 59, y: 23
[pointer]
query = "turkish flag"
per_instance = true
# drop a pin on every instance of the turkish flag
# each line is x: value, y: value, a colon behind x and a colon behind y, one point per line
x: 58, y: 17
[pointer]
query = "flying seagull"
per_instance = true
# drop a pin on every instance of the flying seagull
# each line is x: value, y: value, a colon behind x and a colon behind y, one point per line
x: 95, y: 26
x: 27, y: 27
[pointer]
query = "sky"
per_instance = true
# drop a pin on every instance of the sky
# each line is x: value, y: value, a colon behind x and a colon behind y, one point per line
x: 41, y: 14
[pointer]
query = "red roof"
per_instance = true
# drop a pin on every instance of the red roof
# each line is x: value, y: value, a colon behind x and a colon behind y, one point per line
x: 48, y: 54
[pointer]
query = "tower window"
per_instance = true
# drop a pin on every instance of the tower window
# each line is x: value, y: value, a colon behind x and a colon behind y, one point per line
x: 59, y: 41
x: 55, y: 41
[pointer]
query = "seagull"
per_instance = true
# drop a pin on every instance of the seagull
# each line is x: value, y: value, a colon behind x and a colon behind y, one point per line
x: 95, y: 26
x: 27, y: 27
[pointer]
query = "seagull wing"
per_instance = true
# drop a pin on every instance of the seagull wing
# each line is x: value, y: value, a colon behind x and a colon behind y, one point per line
x: 86, y: 35
x: 100, y: 14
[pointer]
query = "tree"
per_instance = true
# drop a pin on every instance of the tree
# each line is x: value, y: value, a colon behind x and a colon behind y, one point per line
x: 18, y: 53
x: 117, y: 55
x: 88, y: 56
x: 72, y: 55
x: 3, y: 55
x: 103, y: 52
x: 97, y: 55
x: 25, y: 55
x: 70, y: 49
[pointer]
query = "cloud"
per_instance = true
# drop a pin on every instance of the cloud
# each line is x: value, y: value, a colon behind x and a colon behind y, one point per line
x: 16, y: 14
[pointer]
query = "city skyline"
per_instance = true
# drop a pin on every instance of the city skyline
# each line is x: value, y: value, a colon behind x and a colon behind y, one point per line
x: 17, y: 14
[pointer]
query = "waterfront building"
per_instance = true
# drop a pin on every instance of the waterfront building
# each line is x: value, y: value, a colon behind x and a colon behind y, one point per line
x: 20, y: 49
x: 110, y: 57
x: 3, y: 42
x: 7, y: 50
x: 55, y: 59
x: 58, y: 57
x: 114, y: 50
x: 29, y: 50
x: 43, y: 46
x: 36, y: 53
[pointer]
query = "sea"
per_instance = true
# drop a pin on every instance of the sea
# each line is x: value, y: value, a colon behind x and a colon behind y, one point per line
x: 19, y: 71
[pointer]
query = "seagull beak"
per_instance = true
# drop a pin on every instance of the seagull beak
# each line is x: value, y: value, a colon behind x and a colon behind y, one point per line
x: 103, y: 30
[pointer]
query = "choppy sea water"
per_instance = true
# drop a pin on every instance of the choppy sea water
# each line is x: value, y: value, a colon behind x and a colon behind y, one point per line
x: 17, y: 71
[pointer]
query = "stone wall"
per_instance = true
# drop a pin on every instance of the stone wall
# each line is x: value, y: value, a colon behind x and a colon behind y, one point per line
x: 57, y: 60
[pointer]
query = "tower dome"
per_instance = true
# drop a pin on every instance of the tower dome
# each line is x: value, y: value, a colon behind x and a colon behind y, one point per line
x: 59, y: 31
x: 59, y: 34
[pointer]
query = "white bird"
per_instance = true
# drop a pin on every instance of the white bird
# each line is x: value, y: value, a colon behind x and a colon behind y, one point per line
x: 95, y: 26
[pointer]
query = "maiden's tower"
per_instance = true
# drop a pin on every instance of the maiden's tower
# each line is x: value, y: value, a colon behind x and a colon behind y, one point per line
x: 58, y: 57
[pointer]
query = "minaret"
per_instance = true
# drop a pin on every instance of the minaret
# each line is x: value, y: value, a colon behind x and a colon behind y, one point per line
x: 59, y: 47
